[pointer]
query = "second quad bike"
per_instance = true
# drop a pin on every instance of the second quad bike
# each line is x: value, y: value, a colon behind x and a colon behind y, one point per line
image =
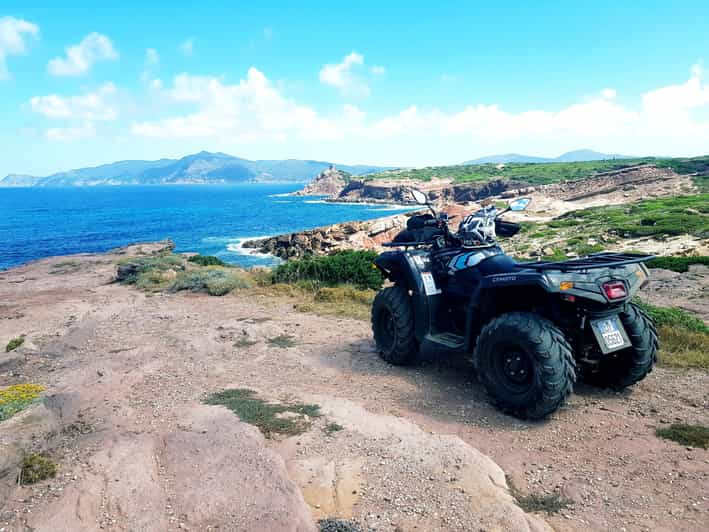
x: 530, y: 328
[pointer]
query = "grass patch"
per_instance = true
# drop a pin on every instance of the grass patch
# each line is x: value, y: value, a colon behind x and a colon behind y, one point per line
x: 677, y: 264
x: 352, y: 267
x: 688, y: 435
x: 684, y: 338
x: 533, y: 502
x: 270, y: 418
x: 244, y: 341
x: 344, y: 301
x: 214, y: 280
x: 283, y: 341
x: 14, y: 343
x: 673, y: 317
x: 67, y: 266
x: 207, y: 260
x: 35, y: 468
x: 331, y: 428
x: 17, y: 397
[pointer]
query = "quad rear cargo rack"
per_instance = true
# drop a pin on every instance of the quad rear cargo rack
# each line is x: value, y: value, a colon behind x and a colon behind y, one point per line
x: 605, y: 259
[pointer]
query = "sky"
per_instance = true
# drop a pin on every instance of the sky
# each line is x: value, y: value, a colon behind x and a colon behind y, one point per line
x: 391, y: 83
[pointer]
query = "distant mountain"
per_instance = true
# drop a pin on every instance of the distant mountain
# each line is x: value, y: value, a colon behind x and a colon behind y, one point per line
x: 568, y: 157
x: 203, y: 167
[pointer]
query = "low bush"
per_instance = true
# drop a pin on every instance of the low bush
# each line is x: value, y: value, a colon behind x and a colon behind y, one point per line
x: 215, y: 281
x: 207, y: 260
x: 36, y: 467
x: 677, y: 264
x: 131, y: 270
x: 14, y: 343
x: 353, y: 267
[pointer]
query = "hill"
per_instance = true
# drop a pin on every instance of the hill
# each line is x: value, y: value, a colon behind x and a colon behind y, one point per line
x: 200, y: 168
x: 568, y: 157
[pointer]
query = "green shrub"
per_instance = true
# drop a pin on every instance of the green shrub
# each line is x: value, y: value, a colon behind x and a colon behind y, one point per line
x: 215, y: 281
x: 135, y: 267
x: 207, y: 260
x: 14, y: 343
x: 677, y: 264
x: 354, y: 267
x: 35, y: 468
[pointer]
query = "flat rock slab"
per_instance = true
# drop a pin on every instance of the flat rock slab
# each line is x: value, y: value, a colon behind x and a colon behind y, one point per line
x: 222, y: 474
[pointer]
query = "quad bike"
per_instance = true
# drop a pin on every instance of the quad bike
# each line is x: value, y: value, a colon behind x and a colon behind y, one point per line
x: 530, y: 328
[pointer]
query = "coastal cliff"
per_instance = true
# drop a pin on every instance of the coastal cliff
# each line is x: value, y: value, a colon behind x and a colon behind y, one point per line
x: 329, y: 182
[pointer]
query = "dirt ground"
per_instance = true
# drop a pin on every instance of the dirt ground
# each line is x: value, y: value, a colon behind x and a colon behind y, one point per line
x: 420, y: 448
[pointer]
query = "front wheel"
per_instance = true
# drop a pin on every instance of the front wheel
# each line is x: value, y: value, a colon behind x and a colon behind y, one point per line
x: 393, y: 326
x: 628, y: 366
x: 526, y: 364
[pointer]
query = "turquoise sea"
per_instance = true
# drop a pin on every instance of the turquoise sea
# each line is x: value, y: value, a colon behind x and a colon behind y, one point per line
x: 208, y: 219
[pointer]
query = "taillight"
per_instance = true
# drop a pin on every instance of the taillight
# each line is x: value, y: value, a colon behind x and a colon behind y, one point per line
x: 615, y: 290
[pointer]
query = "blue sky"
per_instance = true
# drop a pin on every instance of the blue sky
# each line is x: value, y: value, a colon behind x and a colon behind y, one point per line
x: 396, y: 83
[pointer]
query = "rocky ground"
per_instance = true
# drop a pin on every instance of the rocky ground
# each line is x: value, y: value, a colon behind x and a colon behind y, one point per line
x: 419, y: 448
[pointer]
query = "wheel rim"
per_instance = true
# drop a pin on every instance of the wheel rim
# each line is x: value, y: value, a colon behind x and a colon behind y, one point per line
x: 514, y: 370
x: 387, y: 330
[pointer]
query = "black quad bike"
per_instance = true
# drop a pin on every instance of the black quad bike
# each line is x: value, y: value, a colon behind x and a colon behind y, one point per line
x: 530, y: 328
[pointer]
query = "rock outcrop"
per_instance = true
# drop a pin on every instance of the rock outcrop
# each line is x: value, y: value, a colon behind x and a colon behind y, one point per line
x: 369, y: 234
x: 328, y: 183
x: 441, y: 191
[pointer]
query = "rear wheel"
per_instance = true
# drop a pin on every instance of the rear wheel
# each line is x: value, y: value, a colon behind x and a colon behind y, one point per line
x: 526, y: 364
x: 393, y: 325
x: 626, y: 367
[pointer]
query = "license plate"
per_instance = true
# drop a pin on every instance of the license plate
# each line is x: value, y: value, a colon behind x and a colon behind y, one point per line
x: 610, y: 334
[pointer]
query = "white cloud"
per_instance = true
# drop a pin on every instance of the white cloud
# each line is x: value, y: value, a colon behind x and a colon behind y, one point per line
x: 81, y: 57
x: 68, y: 134
x: 151, y: 57
x: 378, y: 70
x: 97, y: 105
x: 187, y: 47
x: 251, y: 109
x: 12, y: 39
x: 342, y: 75
x: 668, y: 120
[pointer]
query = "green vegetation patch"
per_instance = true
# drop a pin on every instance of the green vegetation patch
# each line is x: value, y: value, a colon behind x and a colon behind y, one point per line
x: 684, y: 338
x: 688, y: 435
x: 271, y: 418
x: 14, y: 343
x: 154, y: 273
x: 657, y: 217
x: 214, y: 280
x: 534, y: 502
x: 331, y: 428
x: 528, y: 173
x: 207, y: 260
x: 677, y: 264
x: 352, y: 267
x: 283, y: 341
x: 17, y: 397
x: 35, y: 468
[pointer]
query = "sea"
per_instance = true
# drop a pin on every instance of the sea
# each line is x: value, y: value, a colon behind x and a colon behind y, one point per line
x: 206, y: 219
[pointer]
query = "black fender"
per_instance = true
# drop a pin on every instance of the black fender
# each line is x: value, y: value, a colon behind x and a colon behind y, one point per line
x: 508, y: 291
x: 408, y: 268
